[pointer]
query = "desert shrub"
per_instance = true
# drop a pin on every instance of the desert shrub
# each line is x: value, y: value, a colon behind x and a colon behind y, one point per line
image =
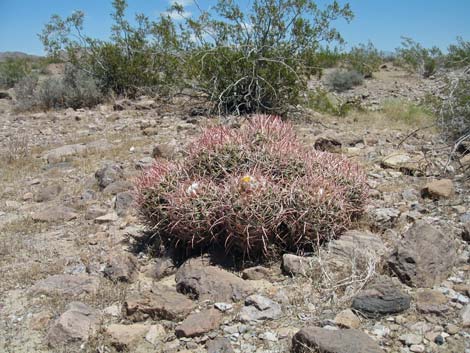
x: 458, y: 54
x: 12, y: 71
x: 414, y: 57
x: 256, y: 59
x: 139, y: 58
x: 454, y: 110
x: 75, y: 90
x: 25, y: 92
x: 343, y: 80
x: 252, y: 191
x: 365, y: 59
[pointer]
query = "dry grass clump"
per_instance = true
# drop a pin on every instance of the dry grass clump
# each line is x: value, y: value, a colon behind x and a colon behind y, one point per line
x: 254, y: 191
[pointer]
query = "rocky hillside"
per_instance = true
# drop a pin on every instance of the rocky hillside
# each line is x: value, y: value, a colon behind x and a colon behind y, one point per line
x: 76, y: 275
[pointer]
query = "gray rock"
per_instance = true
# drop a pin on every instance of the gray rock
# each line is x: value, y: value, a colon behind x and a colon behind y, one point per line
x: 144, y: 163
x: 108, y: 174
x: 74, y: 325
x: 124, y: 201
x: 95, y: 211
x: 465, y: 316
x: 202, y: 281
x: 294, y: 265
x: 63, y: 153
x: 55, y: 214
x: 66, y: 285
x: 381, y: 297
x: 219, y: 345
x: 121, y: 267
x: 161, y: 267
x: 313, y: 339
x: 424, y: 257
x: 48, y: 193
x: 259, y: 308
x: 255, y: 273
x: 117, y: 187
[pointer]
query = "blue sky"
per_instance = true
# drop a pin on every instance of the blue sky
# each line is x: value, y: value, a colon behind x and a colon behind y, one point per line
x: 430, y: 22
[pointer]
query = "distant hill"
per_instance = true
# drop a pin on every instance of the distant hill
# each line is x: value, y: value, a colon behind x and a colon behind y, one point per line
x: 17, y: 55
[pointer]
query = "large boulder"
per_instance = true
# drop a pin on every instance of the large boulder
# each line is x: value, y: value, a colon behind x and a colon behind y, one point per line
x: 316, y: 339
x: 203, y: 281
x: 424, y: 257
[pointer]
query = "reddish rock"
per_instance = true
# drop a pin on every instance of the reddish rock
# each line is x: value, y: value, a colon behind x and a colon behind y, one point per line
x: 162, y: 302
x: 199, y: 323
x: 443, y: 188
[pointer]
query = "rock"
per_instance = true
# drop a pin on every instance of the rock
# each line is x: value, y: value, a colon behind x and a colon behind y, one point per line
x: 381, y: 297
x: 162, y: 267
x: 95, y: 211
x: 108, y: 174
x: 431, y: 302
x: 124, y: 201
x: 62, y: 153
x: 465, y: 316
x: 354, y: 245
x: 294, y: 265
x: 55, y: 214
x: 107, y: 218
x: 411, y: 339
x: 255, y: 273
x: 117, y: 187
x: 155, y: 334
x: 219, y: 345
x: 74, y: 325
x: 417, y: 348
x: 199, y: 323
x: 465, y: 160
x: 385, y: 216
x: 424, y: 257
x: 40, y: 320
x: 333, y: 341
x: 124, y: 336
x: 164, y: 150
x: 66, y: 285
x: 259, y: 308
x: 347, y: 319
x: 120, y: 267
x: 395, y: 160
x: 144, y: 163
x: 202, y: 281
x: 48, y: 193
x: 162, y: 302
x: 437, y: 189
x: 329, y: 144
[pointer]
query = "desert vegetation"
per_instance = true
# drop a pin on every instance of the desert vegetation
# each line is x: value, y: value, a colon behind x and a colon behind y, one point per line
x: 233, y: 179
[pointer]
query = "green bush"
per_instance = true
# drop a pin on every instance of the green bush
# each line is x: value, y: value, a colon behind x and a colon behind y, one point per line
x: 244, y: 60
x: 25, y: 92
x: 343, y: 80
x: 12, y: 71
x: 321, y: 101
x: 252, y: 191
x: 365, y: 59
x: 458, y: 54
x: 414, y: 57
